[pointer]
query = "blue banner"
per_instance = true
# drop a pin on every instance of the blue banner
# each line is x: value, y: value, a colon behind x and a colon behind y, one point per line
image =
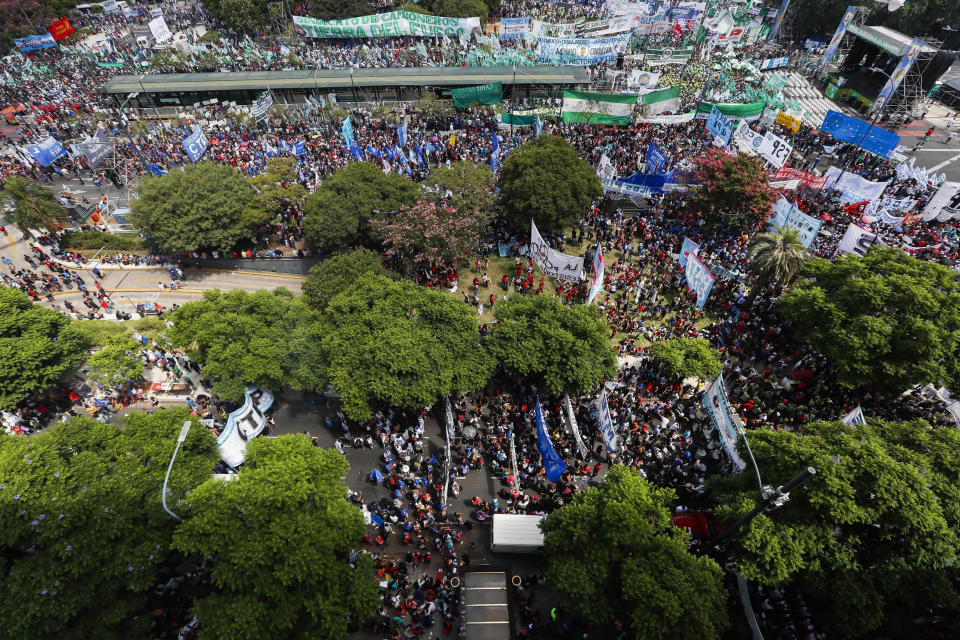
x: 553, y: 464
x: 347, y: 130
x: 852, y: 130
x: 537, y: 126
x: 607, y: 430
x: 495, y: 153
x: 402, y: 130
x: 720, y: 126
x: 699, y: 279
x: 896, y: 77
x: 32, y: 43
x: 789, y: 215
x: 683, y: 13
x: 299, y: 148
x: 779, y: 19
x: 513, y: 28
x: 838, y: 36
x: 47, y: 151
x: 656, y: 159
x: 688, y: 247
x: 195, y: 144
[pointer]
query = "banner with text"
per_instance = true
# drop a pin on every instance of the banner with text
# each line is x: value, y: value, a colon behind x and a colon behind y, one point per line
x: 724, y: 420
x: 552, y: 262
x: 393, y: 23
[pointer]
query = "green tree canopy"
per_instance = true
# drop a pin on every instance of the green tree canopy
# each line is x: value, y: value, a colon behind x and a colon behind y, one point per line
x: 244, y: 15
x: 470, y: 187
x: 282, y: 535
x: 278, y: 189
x: 338, y: 273
x: 339, y: 9
x: 565, y: 349
x: 116, y: 361
x: 545, y: 179
x: 34, y: 207
x: 459, y: 8
x: 264, y: 339
x: 337, y: 215
x: 872, y: 538
x: 83, y: 527
x: 202, y: 207
x: 885, y: 321
x: 687, y: 358
x: 398, y: 344
x: 733, y: 191
x: 776, y: 258
x: 612, y: 552
x: 38, y: 347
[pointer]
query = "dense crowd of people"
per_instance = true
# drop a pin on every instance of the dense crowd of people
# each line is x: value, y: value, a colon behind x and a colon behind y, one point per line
x: 421, y: 524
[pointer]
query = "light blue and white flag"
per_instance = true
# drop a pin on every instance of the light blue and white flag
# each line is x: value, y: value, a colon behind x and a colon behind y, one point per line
x: 553, y: 464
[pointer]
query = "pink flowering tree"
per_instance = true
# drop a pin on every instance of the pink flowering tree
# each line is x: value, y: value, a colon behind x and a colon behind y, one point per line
x: 428, y: 233
x: 732, y: 190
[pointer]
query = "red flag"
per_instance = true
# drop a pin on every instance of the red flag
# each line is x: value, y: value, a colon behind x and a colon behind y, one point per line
x: 676, y: 28
x: 60, y: 29
x: 858, y: 207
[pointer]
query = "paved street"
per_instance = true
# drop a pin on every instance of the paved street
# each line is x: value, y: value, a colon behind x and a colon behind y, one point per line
x: 136, y: 285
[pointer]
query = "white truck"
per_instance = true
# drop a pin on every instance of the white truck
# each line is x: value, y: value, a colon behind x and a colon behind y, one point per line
x: 516, y: 534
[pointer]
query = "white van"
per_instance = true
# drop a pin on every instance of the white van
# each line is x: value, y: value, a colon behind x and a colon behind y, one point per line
x: 516, y: 534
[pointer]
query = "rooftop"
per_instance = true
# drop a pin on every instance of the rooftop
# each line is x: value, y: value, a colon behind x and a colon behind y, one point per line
x: 345, y: 78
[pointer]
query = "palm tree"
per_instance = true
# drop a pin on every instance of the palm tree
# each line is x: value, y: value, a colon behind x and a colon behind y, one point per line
x: 776, y: 257
x: 34, y: 207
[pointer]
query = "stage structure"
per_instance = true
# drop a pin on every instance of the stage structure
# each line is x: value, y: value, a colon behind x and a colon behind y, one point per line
x: 874, y: 68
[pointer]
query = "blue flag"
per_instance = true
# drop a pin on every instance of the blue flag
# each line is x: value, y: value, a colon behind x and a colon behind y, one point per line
x: 855, y: 131
x: 428, y: 147
x: 374, y: 152
x: 155, y: 170
x: 347, y: 130
x: 299, y: 148
x: 402, y: 132
x: 47, y: 151
x: 195, y: 144
x: 399, y: 155
x: 285, y: 146
x: 537, y: 126
x: 495, y: 153
x: 357, y: 153
x: 553, y: 464
x: 656, y: 159
x: 419, y: 151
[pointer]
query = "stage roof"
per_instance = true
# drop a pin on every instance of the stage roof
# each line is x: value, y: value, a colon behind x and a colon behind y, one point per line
x: 891, y: 41
x: 343, y: 78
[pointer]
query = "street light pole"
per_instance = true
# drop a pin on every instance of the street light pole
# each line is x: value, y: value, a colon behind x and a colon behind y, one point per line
x: 769, y: 500
x: 180, y: 438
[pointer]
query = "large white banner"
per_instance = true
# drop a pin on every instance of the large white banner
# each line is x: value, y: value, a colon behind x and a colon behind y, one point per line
x: 538, y: 28
x: 394, y: 23
x: 158, y: 27
x: 606, y: 27
x: 607, y: 429
x: 864, y: 188
x: 677, y: 119
x: 717, y: 406
x: 243, y: 424
x: 775, y: 150
x: 552, y: 262
x: 574, y: 428
x: 643, y: 81
x: 747, y: 139
x: 856, y: 241
x: 945, y: 203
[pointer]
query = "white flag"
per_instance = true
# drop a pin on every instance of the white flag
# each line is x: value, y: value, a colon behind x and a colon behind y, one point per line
x: 854, y: 417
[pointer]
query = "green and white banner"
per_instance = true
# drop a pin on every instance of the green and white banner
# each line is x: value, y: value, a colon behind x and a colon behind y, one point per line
x: 597, y: 108
x: 480, y: 94
x: 657, y: 102
x: 394, y: 23
x: 668, y: 56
